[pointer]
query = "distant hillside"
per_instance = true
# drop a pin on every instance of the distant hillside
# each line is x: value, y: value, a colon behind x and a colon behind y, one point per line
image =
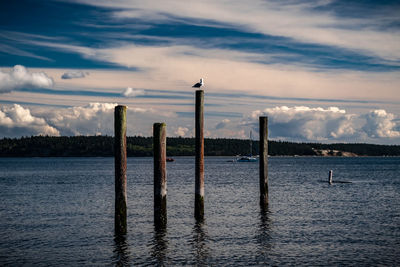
x: 103, y: 146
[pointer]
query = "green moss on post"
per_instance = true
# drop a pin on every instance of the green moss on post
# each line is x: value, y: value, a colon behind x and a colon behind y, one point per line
x: 160, y: 174
x: 120, y: 218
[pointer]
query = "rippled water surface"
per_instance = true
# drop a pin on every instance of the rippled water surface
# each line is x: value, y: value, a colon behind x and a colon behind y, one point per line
x: 59, y: 211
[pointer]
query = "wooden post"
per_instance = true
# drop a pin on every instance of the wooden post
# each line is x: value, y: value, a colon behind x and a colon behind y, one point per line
x: 263, y: 161
x: 199, y: 166
x: 330, y: 177
x: 160, y: 174
x: 120, y: 170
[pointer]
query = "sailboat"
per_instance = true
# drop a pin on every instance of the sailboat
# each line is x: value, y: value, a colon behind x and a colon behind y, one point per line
x: 249, y: 158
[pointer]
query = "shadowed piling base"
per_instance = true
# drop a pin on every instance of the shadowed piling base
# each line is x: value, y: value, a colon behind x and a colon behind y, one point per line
x: 264, y: 201
x: 199, y: 207
x: 160, y: 211
x: 120, y: 224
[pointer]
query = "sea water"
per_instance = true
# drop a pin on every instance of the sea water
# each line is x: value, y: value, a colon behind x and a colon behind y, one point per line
x: 60, y: 212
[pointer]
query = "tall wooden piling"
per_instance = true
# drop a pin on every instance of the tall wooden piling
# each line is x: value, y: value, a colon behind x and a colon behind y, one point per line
x: 199, y: 165
x: 120, y: 224
x: 263, y: 161
x: 330, y: 177
x: 160, y: 174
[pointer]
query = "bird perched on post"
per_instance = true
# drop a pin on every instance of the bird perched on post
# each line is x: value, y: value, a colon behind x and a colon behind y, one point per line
x: 198, y: 85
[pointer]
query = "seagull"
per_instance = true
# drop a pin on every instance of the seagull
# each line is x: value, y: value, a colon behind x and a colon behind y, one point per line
x: 198, y: 85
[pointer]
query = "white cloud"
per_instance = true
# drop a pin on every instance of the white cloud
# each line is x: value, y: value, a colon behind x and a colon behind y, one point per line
x: 8, y: 49
x: 94, y: 118
x: 296, y: 20
x: 176, y: 67
x: 298, y: 123
x: 130, y: 92
x: 305, y: 123
x: 74, y: 74
x: 91, y: 119
x: 17, y: 121
x: 379, y: 123
x: 181, y: 131
x: 222, y: 124
x: 98, y: 118
x: 302, y: 123
x: 20, y: 77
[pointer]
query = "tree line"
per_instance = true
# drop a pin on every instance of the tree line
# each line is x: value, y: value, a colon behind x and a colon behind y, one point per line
x: 103, y: 146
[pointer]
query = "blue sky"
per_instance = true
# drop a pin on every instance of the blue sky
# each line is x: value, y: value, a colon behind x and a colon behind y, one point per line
x: 322, y: 71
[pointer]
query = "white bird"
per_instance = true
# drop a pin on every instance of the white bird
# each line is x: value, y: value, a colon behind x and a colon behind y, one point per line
x: 198, y: 85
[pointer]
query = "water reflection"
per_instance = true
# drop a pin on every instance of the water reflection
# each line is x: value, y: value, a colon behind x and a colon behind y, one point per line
x: 200, y: 243
x: 121, y: 250
x: 264, y: 233
x: 160, y: 244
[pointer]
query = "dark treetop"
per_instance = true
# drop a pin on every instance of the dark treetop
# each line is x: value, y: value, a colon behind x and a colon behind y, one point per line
x: 103, y: 146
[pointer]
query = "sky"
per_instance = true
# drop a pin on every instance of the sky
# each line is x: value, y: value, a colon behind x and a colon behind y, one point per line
x: 322, y: 71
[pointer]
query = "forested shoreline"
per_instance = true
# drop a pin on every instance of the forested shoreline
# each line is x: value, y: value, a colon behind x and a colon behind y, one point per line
x: 103, y: 146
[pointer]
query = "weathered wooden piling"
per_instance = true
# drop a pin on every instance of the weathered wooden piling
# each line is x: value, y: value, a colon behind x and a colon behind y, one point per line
x: 160, y: 174
x: 199, y: 165
x: 263, y: 160
x: 330, y: 177
x: 120, y: 224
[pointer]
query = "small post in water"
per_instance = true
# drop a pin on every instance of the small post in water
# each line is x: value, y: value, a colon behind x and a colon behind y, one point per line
x: 120, y: 224
x: 199, y: 165
x: 263, y: 161
x: 160, y: 174
x: 330, y: 176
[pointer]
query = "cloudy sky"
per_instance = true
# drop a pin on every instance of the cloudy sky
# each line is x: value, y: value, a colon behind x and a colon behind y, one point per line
x: 322, y: 71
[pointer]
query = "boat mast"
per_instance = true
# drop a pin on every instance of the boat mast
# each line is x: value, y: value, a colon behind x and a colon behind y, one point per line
x: 251, y: 145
